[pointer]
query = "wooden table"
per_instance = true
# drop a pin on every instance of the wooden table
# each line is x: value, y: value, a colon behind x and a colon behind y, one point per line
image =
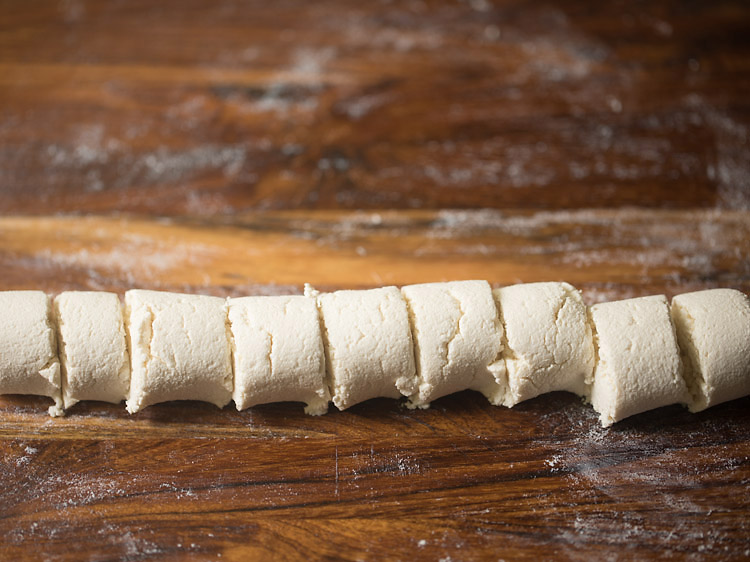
x: 237, y: 148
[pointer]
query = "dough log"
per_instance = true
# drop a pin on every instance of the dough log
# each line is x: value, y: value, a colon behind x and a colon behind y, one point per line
x: 420, y: 342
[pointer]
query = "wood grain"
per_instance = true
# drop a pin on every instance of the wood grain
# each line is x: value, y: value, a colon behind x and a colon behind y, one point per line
x: 606, y: 253
x: 222, y: 107
x: 463, y: 480
x: 376, y: 481
x: 242, y: 148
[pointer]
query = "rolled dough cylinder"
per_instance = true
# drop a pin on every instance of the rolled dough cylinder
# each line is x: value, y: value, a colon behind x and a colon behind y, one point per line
x: 179, y: 348
x: 713, y: 330
x: 368, y: 345
x: 28, y: 347
x: 638, y: 366
x: 549, y: 344
x: 457, y: 340
x: 93, y: 352
x: 278, y: 352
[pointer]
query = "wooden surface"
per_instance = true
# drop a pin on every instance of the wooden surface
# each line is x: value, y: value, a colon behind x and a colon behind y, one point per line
x: 237, y: 148
x: 219, y: 107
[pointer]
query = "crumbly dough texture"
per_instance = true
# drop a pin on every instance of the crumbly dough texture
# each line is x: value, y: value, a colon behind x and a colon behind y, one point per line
x: 638, y: 366
x: 422, y: 342
x: 93, y: 352
x: 549, y: 344
x: 713, y: 330
x: 368, y: 345
x: 28, y: 347
x: 457, y: 339
x: 278, y: 352
x: 180, y: 348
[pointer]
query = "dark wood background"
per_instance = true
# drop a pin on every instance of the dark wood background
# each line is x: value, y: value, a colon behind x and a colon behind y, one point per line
x: 238, y: 148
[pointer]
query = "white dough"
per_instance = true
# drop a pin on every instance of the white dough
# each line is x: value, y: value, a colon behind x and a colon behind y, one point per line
x: 278, y: 352
x: 93, y: 351
x: 549, y: 344
x: 638, y: 366
x: 179, y: 348
x: 713, y: 330
x: 28, y: 347
x: 457, y: 339
x: 368, y: 343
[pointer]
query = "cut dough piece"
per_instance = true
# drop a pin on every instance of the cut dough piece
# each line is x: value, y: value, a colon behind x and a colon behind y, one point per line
x: 368, y: 345
x: 93, y: 352
x: 457, y: 339
x: 28, y: 347
x: 549, y: 344
x: 638, y: 367
x: 713, y: 330
x: 278, y: 352
x: 179, y: 348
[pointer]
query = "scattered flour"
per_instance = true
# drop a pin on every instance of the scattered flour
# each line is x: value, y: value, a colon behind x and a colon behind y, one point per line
x: 604, y: 467
x: 158, y: 166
